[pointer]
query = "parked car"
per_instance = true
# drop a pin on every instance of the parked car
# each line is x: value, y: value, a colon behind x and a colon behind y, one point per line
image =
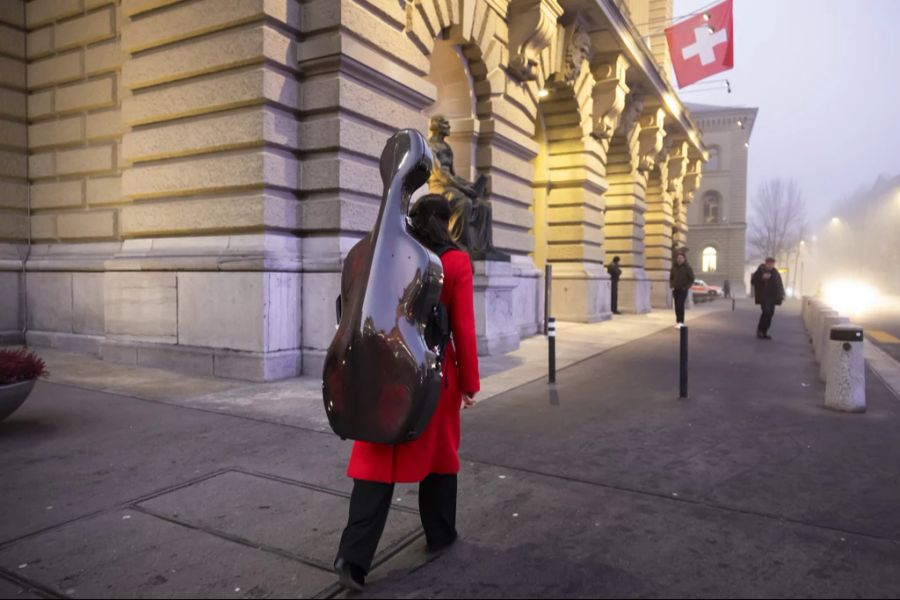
x: 715, y: 290
x: 702, y: 291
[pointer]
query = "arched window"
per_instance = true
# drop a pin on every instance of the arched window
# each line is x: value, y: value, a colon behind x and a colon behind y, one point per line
x: 710, y: 259
x: 713, y: 163
x: 712, y: 207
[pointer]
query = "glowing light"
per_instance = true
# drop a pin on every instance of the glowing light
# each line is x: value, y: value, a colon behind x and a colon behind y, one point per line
x: 543, y: 93
x: 711, y: 29
x: 740, y: 124
x: 746, y: 144
x: 835, y: 221
x: 706, y: 16
x: 850, y: 297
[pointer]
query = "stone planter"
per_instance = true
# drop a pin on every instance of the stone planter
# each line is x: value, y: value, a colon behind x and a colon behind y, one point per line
x: 13, y: 395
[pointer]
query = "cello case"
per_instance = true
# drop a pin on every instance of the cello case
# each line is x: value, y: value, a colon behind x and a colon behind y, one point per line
x: 381, y: 381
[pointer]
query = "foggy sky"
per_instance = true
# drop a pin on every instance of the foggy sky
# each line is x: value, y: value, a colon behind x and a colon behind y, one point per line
x: 825, y: 75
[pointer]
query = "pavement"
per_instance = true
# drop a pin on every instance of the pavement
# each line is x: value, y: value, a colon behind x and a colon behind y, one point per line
x: 146, y: 484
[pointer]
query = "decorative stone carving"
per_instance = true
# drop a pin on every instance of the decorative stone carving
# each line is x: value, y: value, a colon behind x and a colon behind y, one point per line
x: 634, y: 105
x: 692, y: 178
x: 652, y: 134
x: 471, y: 213
x: 609, y: 94
x: 578, y: 50
x: 532, y: 26
x: 677, y: 165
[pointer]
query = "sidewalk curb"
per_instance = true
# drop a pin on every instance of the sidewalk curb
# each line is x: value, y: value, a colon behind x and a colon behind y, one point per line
x: 884, y: 366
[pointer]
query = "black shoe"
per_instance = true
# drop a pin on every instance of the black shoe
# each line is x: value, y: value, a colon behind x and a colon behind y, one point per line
x: 760, y: 335
x: 433, y: 552
x: 766, y: 336
x: 350, y: 576
x: 615, y: 312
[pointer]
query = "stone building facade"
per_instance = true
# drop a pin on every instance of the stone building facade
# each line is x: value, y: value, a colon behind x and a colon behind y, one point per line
x: 718, y: 218
x: 181, y: 179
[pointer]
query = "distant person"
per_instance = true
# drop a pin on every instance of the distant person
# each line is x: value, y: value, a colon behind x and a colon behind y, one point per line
x: 615, y: 272
x: 768, y: 290
x: 726, y: 289
x: 681, y: 279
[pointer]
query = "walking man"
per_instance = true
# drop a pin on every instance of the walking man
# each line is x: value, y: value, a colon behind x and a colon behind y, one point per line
x: 726, y: 289
x: 615, y: 272
x: 680, y: 280
x: 768, y: 290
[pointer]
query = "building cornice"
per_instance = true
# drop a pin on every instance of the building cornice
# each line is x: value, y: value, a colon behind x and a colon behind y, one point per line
x: 641, y: 57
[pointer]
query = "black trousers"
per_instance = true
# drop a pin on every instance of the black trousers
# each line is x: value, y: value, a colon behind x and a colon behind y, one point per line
x: 765, y: 319
x: 680, y: 297
x: 614, y: 295
x: 370, y: 502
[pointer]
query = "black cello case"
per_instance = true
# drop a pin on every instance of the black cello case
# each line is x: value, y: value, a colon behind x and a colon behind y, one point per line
x: 381, y: 382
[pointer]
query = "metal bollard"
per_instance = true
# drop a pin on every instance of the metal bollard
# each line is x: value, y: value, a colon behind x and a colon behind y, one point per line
x: 683, y: 360
x: 732, y: 304
x: 845, y: 381
x: 551, y: 347
x: 548, y: 289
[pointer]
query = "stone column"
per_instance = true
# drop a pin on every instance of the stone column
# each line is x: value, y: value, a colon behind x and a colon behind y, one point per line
x: 691, y: 183
x: 74, y: 168
x: 575, y: 214
x: 13, y: 169
x: 664, y: 188
x: 631, y: 158
x: 207, y: 279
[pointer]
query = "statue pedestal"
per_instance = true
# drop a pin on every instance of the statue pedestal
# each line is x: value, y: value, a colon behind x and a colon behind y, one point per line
x: 581, y: 293
x: 634, y: 291
x: 495, y: 323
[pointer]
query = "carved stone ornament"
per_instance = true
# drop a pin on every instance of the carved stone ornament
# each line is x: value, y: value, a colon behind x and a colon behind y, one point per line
x: 532, y: 25
x: 677, y: 166
x: 634, y: 105
x: 653, y: 133
x: 578, y: 50
x: 609, y: 95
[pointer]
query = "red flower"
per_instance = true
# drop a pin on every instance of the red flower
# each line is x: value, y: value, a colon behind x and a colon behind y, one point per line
x: 20, y: 365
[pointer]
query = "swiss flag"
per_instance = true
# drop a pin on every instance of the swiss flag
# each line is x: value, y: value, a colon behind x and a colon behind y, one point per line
x: 702, y: 45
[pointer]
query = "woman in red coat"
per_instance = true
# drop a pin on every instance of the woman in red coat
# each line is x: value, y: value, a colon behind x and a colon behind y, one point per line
x: 431, y: 459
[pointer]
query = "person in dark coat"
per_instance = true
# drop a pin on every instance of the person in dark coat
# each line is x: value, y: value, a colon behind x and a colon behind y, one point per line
x: 432, y: 459
x: 726, y: 289
x: 768, y: 290
x: 615, y: 272
x: 681, y: 278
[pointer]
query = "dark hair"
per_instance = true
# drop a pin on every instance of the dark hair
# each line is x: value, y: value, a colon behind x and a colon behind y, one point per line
x: 616, y: 259
x: 430, y: 219
x: 770, y: 260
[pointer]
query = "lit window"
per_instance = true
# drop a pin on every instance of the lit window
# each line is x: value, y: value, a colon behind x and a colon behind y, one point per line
x: 710, y: 258
x: 712, y: 207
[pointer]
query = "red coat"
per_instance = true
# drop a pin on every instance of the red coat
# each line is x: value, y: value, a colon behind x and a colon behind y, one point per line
x: 435, y: 451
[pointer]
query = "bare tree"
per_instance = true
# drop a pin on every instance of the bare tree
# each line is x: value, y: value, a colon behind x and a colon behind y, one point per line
x: 778, y: 220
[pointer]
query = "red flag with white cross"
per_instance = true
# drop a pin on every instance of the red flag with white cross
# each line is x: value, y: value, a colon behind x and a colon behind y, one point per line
x: 702, y: 45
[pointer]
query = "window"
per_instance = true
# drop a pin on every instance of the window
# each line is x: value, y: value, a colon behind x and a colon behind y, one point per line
x: 712, y: 207
x: 710, y: 258
x: 713, y: 163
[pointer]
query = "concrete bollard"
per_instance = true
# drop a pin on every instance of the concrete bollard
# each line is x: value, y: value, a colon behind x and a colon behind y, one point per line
x: 814, y: 307
x: 823, y: 350
x: 804, y: 308
x: 845, y: 381
x: 818, y: 333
